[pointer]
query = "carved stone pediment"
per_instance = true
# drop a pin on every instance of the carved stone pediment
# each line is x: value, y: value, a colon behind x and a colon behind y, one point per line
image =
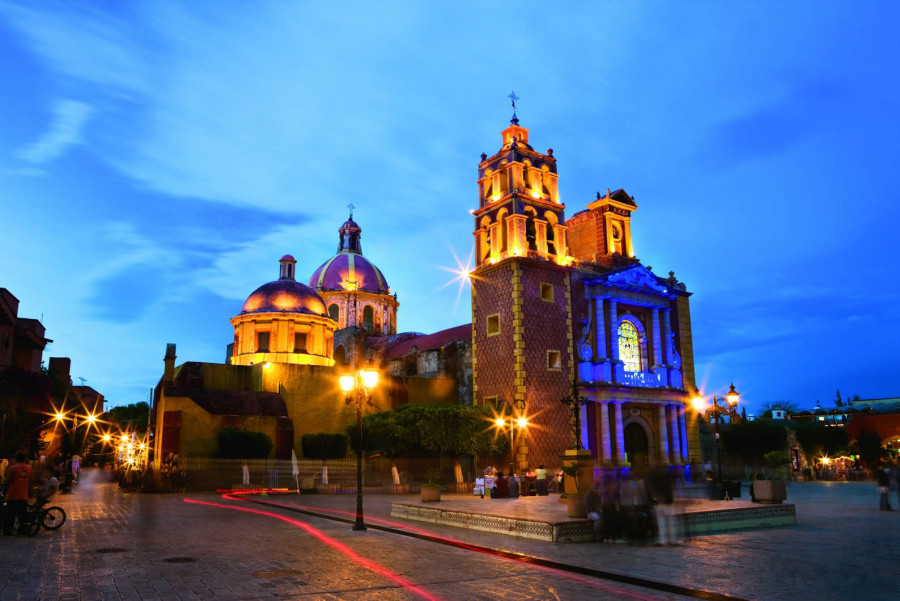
x: 637, y: 276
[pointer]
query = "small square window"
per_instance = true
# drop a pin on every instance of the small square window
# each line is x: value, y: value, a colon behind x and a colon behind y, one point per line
x: 490, y: 401
x: 554, y: 360
x: 262, y: 342
x: 299, y: 342
x: 547, y: 292
x: 493, y: 324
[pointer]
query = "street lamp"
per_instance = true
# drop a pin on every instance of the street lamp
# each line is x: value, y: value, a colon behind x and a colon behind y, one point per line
x: 519, y: 420
x: 358, y: 389
x: 730, y: 401
x: 575, y: 402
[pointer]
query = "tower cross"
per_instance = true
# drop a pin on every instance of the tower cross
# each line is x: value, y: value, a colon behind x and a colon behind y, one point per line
x: 351, y: 206
x: 512, y: 96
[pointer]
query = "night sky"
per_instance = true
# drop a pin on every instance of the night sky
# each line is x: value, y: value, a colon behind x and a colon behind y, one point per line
x: 156, y: 161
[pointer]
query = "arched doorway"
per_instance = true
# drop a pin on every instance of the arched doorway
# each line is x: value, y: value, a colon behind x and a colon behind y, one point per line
x: 637, y: 449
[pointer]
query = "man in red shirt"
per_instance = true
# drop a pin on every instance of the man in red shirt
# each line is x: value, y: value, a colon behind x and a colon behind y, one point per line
x: 19, y: 478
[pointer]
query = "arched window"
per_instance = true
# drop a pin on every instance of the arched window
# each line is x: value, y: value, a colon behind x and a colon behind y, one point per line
x: 530, y: 230
x: 630, y: 347
x: 334, y: 312
x: 369, y: 319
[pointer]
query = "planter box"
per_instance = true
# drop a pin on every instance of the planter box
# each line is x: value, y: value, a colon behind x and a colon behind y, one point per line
x: 769, y: 491
x: 431, y: 494
x: 575, y: 505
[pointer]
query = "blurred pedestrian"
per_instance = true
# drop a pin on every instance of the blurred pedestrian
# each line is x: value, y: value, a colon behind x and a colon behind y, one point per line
x: 661, y: 481
x: 884, y: 482
x: 18, y: 478
x: 513, y: 486
x: 593, y: 508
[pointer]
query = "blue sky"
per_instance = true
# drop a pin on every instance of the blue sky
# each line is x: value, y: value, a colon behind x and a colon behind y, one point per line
x: 157, y: 159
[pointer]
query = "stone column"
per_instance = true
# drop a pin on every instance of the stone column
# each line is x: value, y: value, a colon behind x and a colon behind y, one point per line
x: 654, y: 325
x: 676, y: 434
x: 663, y: 435
x: 613, y: 331
x: 684, y: 434
x: 667, y: 335
x: 585, y: 427
x: 600, y: 321
x: 605, y: 434
x: 620, y: 434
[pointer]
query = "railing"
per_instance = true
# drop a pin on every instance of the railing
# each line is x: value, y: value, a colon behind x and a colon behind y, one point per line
x: 644, y: 379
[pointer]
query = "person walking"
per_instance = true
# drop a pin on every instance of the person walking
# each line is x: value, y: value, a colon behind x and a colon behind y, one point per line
x: 18, y: 477
x: 593, y: 508
x: 663, y: 491
x: 884, y: 484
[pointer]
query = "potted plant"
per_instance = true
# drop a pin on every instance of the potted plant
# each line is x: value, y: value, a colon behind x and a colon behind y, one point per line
x: 772, y: 490
x: 574, y: 501
x: 431, y: 492
x: 431, y: 489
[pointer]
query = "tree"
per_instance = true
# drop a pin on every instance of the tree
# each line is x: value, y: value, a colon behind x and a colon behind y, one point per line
x: 787, y: 406
x: 133, y: 417
x: 838, y: 401
x: 817, y: 439
x: 243, y: 444
x: 751, y: 440
x: 868, y: 443
x: 429, y: 430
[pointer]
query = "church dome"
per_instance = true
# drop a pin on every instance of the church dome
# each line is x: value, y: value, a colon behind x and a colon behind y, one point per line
x: 349, y: 270
x: 285, y: 295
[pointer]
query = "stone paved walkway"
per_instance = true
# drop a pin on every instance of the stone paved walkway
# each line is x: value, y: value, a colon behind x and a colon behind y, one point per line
x: 127, y: 546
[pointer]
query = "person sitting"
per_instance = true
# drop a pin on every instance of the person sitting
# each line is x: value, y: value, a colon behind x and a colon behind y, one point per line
x: 513, y: 486
x: 50, y: 486
x: 501, y: 487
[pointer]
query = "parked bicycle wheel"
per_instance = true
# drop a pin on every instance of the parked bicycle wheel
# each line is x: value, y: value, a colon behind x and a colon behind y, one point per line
x: 53, y: 518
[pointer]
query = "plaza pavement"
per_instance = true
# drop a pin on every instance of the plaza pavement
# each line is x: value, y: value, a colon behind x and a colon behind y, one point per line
x: 131, y: 546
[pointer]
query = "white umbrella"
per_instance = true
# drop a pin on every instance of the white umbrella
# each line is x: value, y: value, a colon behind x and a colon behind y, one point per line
x: 295, y: 469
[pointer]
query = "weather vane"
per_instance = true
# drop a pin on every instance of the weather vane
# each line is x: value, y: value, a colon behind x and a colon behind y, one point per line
x: 512, y: 96
x: 351, y: 206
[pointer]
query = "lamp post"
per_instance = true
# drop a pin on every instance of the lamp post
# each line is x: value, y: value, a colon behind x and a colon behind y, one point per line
x: 519, y: 420
x: 730, y: 401
x: 575, y: 403
x: 358, y: 389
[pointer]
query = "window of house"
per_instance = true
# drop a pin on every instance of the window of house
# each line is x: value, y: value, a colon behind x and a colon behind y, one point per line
x: 547, y: 292
x: 554, y: 360
x: 369, y: 319
x: 333, y: 312
x: 299, y: 342
x: 493, y: 324
x: 630, y: 352
x: 262, y: 342
x: 490, y: 401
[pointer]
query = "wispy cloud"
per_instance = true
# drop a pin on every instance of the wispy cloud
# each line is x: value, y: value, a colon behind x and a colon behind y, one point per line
x: 69, y: 117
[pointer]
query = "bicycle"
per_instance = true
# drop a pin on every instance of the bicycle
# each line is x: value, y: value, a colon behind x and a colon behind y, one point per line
x: 37, y: 515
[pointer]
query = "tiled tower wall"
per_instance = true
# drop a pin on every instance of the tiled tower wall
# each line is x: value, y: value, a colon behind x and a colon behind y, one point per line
x: 548, y: 326
x: 493, y: 368
x: 587, y: 237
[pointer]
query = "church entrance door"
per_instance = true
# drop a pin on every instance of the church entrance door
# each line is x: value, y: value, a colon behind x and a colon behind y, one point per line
x: 637, y: 448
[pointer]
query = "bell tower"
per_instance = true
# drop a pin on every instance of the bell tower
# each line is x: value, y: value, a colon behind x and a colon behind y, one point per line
x: 519, y: 213
x: 522, y: 347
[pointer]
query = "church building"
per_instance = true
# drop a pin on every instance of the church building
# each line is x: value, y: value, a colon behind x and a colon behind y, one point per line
x: 558, y: 302
x: 561, y: 309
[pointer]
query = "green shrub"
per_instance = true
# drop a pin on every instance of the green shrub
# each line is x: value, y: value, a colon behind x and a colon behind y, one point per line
x: 243, y: 444
x: 324, y: 445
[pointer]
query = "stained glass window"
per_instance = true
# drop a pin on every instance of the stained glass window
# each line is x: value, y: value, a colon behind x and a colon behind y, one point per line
x: 630, y: 347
